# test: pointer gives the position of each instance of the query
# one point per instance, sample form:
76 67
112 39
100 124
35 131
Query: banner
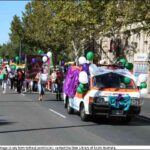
33 65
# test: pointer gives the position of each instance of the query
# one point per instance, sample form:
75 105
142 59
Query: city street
26 121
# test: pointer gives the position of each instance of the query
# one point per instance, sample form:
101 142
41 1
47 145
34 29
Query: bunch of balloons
83 75
46 58
142 79
126 64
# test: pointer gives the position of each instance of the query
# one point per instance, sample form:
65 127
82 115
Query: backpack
43 78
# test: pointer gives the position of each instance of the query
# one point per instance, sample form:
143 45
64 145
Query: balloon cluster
45 58
142 79
126 64
83 75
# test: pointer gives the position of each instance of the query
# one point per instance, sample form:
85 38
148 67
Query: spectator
19 80
53 79
59 83
5 77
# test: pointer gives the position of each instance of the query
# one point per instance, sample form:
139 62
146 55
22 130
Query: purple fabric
71 82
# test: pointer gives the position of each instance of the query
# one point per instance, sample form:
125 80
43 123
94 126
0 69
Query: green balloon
123 61
90 55
81 86
40 52
143 85
13 67
129 66
79 90
126 80
17 58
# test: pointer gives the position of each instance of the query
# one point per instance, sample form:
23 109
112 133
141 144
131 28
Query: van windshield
113 80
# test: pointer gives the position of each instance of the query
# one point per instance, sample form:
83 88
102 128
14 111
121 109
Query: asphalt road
26 121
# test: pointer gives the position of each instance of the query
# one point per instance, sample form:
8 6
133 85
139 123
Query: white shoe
4 92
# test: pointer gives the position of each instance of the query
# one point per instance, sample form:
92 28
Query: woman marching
42 80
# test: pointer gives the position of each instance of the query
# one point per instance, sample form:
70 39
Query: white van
107 95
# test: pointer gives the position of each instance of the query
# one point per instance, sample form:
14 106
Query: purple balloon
33 60
85 67
13 60
62 63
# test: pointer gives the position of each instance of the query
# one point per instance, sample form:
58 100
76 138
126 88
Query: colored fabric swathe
120 101
71 81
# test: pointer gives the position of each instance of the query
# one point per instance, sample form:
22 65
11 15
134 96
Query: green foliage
66 27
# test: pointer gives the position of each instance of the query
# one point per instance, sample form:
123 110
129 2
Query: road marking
57 113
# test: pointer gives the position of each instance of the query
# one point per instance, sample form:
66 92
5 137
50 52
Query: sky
9 8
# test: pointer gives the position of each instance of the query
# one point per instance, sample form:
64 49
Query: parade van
111 92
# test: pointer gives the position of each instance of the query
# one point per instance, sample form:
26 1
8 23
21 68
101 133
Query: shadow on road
5 122
138 121
48 128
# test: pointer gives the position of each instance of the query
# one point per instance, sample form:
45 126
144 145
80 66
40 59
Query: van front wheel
69 109
83 116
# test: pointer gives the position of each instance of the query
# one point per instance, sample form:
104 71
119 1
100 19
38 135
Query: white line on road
57 113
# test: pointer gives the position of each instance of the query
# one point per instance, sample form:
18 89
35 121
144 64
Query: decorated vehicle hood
124 72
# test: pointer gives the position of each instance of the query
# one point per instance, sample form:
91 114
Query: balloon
129 66
17 58
142 78
33 60
90 55
126 80
40 52
79 90
83 77
8 69
13 67
81 86
143 85
85 67
44 58
93 68
82 60
88 62
123 61
102 61
143 91
49 54
62 63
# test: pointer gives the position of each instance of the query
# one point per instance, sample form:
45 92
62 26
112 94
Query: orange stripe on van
115 89
78 95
